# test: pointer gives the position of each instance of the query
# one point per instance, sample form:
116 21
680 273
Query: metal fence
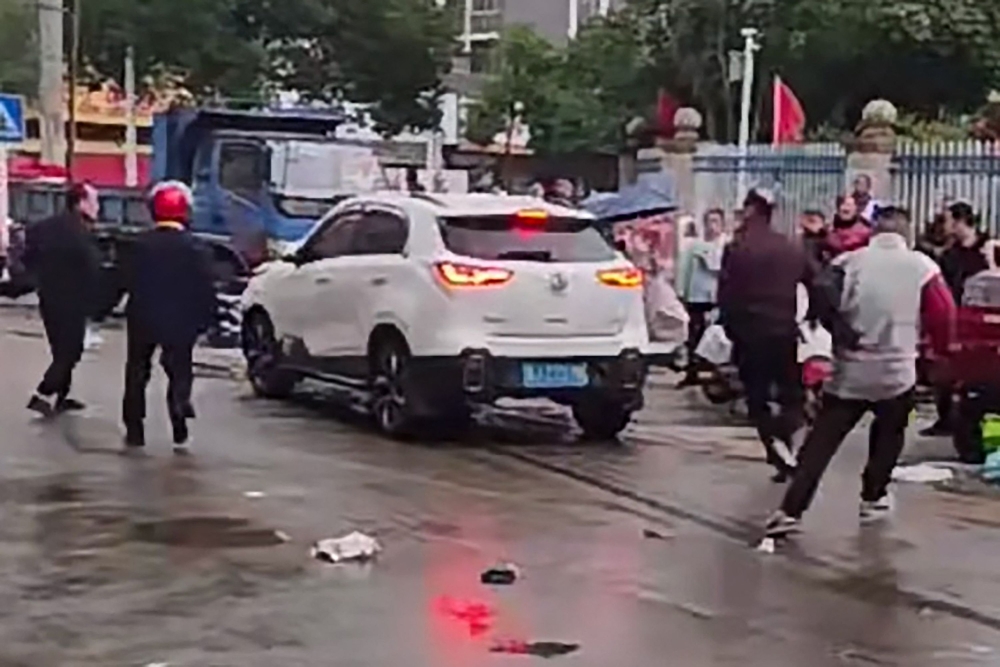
928 176
801 177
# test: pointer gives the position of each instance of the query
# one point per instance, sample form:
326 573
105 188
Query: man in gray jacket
891 295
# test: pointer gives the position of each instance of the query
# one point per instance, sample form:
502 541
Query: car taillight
467 275
620 277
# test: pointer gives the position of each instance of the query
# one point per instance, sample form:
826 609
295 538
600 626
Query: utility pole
74 65
52 128
574 18
750 47
131 159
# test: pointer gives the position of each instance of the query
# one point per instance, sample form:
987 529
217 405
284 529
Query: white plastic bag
715 346
356 547
666 317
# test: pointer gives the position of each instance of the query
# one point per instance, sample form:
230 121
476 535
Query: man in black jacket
171 302
64 264
758 304
962 259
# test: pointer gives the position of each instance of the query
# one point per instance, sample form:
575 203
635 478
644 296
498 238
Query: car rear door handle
378 282
322 281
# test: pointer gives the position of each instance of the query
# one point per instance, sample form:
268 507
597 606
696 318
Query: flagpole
775 110
749 47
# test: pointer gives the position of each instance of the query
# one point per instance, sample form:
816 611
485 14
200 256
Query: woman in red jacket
850 231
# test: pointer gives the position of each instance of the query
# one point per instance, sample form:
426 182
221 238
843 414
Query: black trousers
768 368
836 418
176 361
65 329
698 312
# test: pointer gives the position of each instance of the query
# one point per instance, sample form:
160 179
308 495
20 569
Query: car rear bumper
480 377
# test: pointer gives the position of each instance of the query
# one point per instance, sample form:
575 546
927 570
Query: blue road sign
11 119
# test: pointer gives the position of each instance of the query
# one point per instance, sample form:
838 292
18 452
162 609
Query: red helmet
170 201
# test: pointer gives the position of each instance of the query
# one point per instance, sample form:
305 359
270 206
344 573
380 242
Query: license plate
554 376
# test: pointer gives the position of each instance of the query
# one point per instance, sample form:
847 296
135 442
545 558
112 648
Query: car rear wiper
527 255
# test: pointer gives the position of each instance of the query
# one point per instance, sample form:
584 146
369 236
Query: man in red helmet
171 302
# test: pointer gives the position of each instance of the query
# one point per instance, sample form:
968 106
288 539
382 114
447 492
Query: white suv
422 305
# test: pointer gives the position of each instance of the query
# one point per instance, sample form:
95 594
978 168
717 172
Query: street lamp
750 46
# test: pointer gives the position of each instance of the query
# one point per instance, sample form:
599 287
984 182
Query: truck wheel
390 404
601 419
263 356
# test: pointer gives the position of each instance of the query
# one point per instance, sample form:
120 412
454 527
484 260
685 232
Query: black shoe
181 434
69 405
187 410
41 406
937 430
135 437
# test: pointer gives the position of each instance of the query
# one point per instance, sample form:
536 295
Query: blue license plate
554 376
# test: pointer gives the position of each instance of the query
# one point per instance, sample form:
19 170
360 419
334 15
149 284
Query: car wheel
263 356
391 406
601 419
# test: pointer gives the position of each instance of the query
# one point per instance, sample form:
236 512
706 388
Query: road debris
922 473
539 649
355 547
254 495
651 534
503 574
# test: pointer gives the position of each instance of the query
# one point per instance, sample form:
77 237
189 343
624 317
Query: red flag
666 107
789 117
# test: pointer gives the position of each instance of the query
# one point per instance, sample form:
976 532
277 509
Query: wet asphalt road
110 561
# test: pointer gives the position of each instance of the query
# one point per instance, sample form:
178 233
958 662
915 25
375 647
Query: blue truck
260 179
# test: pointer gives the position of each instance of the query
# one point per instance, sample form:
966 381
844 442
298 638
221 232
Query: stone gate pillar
678 157
870 151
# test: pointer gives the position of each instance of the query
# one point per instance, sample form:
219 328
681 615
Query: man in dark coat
758 289
64 264
171 303
962 259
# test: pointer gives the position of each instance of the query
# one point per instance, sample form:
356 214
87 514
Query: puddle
51 490
206 533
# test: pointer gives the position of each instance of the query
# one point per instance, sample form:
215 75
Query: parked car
421 306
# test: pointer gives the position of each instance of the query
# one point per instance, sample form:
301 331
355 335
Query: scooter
720 381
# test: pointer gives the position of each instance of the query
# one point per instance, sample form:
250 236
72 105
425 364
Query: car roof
476 204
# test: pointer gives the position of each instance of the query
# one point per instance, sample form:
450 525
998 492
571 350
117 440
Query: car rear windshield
505 238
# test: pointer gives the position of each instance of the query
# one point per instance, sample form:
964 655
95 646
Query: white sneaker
877 510
93 340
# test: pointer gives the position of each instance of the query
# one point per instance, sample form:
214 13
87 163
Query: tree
390 54
573 99
18 47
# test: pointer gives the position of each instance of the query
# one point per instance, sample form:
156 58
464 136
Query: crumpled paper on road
355 547
922 473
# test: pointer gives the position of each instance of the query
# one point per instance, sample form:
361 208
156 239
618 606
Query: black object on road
501 575
539 649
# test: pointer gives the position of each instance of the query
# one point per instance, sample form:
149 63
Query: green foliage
932 58
389 53
18 47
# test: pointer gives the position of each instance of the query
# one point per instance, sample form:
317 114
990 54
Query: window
335 239
112 209
240 169
137 212
500 237
379 233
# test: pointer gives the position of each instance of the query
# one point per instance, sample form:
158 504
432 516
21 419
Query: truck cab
260 179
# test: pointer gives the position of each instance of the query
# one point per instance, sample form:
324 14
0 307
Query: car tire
391 406
601 419
264 358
